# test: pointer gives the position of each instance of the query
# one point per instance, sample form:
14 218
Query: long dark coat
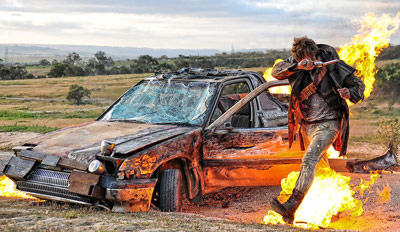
341 75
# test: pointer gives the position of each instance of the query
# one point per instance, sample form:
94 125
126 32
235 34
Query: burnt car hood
82 142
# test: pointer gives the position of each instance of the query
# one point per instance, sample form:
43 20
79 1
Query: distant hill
26 53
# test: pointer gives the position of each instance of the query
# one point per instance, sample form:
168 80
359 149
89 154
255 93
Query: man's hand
305 64
344 93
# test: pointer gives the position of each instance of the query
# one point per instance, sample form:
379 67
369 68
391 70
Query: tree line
101 64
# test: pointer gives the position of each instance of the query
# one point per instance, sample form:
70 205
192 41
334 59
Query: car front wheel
171 191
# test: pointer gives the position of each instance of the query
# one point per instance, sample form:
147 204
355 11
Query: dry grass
362 127
20 215
382 63
108 87
48 122
48 96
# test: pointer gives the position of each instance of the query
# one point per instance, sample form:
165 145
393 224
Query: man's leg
320 136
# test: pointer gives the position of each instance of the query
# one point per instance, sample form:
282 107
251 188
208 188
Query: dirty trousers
317 137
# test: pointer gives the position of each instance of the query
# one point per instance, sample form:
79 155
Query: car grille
53 185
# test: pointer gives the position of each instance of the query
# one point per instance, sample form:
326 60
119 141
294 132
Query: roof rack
194 73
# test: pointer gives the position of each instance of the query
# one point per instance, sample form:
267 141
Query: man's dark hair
302 46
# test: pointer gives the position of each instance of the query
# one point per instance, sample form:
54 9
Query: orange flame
329 195
268 77
372 37
367 184
7 189
333 154
384 194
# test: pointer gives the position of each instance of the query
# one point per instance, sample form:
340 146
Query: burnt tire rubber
171 191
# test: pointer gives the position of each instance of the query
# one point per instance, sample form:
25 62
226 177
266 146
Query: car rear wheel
171 191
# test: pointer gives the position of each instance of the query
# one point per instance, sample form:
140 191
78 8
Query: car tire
171 191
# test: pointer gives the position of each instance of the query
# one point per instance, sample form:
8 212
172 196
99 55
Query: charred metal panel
18 168
51 160
248 157
72 164
31 155
85 155
150 139
248 144
82 182
62 142
222 177
131 195
340 165
129 143
250 162
142 165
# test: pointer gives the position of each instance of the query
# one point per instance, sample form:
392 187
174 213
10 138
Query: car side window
231 94
272 114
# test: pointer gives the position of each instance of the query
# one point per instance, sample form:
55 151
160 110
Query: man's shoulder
328 52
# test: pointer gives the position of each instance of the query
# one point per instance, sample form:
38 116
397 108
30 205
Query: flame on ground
384 194
329 195
367 184
7 189
333 154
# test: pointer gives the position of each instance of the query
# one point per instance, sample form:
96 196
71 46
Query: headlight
96 167
106 147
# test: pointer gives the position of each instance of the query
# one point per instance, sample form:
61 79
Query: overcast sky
196 24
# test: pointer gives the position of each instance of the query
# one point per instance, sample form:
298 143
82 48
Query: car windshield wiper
125 120
176 123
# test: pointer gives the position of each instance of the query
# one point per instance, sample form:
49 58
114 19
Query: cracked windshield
164 102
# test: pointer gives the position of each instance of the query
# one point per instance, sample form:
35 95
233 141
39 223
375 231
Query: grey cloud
236 22
48 27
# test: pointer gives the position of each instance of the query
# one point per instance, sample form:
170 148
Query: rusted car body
172 135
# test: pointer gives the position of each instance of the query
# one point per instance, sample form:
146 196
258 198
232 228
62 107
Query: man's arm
353 89
284 69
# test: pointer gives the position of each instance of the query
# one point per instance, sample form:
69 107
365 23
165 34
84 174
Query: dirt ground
231 209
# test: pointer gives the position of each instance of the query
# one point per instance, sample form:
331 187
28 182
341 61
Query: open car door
254 153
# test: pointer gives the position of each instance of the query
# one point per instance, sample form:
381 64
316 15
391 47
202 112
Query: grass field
42 102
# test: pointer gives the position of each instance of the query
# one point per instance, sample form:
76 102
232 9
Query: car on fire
172 135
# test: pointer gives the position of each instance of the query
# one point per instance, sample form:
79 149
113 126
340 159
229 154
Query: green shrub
77 93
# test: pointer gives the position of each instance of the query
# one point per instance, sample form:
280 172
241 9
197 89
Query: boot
288 208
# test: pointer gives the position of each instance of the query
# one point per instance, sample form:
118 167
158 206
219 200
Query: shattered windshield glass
157 101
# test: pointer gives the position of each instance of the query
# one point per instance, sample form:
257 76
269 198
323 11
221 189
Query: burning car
173 135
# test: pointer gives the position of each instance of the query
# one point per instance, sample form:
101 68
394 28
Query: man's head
303 47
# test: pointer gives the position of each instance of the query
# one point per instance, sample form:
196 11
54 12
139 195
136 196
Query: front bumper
49 178
131 195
